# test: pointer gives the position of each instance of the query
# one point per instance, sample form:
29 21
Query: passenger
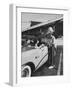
36 44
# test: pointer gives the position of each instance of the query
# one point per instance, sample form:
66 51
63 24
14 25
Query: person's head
50 30
28 41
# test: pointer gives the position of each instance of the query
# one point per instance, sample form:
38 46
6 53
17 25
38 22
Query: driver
49 42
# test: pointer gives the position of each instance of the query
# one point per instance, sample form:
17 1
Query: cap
50 29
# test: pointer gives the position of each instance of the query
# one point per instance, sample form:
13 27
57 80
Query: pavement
44 69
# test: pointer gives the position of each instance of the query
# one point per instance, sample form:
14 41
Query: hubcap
25 73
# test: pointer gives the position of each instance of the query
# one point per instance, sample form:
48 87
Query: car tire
26 71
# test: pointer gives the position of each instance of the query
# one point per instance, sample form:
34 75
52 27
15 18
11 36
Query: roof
44 23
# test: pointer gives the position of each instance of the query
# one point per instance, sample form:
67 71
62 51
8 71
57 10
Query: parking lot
58 62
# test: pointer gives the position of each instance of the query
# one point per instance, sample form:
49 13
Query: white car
32 58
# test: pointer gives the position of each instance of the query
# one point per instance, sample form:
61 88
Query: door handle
36 57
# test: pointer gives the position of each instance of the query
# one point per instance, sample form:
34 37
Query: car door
43 56
37 57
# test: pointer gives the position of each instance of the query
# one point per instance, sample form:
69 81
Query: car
32 58
34 51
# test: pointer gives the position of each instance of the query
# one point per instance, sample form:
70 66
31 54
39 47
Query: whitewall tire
26 71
